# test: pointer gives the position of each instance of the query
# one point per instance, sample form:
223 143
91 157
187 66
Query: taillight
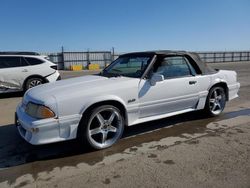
54 67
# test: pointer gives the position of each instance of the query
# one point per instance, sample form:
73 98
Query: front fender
98 99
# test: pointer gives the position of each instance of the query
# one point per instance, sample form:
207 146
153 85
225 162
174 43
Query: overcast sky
126 25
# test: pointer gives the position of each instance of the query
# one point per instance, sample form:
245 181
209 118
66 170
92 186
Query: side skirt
151 118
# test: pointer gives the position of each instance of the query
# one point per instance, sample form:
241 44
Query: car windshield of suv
129 66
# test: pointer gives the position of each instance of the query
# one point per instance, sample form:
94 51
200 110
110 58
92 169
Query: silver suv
20 71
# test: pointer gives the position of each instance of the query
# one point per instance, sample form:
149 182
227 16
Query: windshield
129 66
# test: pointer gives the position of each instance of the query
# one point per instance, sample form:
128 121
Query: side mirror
156 78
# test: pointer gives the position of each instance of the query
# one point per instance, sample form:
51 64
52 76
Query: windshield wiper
116 70
109 74
115 74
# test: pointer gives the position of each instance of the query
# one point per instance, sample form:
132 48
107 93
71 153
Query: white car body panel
13 78
165 97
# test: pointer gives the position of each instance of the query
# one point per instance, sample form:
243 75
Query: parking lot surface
188 150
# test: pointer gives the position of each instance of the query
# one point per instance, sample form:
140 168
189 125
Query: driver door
178 91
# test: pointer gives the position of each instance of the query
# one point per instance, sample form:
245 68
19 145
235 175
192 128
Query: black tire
99 135
216 101
32 82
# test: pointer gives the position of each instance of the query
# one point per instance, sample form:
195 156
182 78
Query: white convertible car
135 88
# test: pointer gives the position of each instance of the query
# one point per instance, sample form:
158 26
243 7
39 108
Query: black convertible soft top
191 56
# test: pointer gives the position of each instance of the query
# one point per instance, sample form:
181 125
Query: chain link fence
66 59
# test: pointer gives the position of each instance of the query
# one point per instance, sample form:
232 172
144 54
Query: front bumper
38 131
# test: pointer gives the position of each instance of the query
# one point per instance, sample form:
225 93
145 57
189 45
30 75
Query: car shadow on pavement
11 95
15 151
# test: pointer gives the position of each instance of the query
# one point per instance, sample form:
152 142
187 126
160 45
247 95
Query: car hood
85 85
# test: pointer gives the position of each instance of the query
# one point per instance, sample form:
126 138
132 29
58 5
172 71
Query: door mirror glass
156 78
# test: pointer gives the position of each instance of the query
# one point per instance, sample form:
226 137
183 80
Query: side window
33 61
2 63
192 69
8 62
177 66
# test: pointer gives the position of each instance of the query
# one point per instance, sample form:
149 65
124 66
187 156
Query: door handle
192 82
24 70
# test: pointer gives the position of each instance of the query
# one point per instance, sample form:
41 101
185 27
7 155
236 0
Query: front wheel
216 101
103 128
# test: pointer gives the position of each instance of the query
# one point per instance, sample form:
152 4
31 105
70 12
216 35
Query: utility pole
63 57
88 61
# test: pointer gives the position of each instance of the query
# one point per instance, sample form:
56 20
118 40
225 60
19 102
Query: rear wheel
216 101
32 82
103 128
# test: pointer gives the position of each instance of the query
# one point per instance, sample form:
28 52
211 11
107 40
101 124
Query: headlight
39 111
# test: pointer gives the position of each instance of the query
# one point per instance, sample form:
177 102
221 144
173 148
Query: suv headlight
39 111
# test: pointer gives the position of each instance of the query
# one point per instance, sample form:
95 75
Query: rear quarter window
33 61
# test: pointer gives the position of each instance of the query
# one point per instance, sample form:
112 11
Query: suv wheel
103 127
32 82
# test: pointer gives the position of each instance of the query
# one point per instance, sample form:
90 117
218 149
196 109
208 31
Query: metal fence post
88 61
62 54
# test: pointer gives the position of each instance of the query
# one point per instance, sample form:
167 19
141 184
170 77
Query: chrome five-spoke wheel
105 127
216 101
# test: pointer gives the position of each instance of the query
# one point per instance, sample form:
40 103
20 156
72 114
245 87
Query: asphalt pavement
188 150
